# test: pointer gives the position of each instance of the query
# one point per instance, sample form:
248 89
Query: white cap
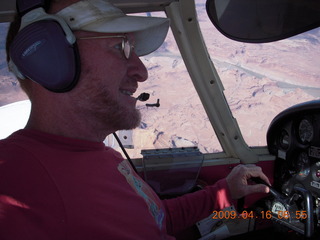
101 16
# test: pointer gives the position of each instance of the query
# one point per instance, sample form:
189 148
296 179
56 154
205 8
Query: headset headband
24 6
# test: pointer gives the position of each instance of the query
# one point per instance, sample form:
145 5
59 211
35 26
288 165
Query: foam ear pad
42 53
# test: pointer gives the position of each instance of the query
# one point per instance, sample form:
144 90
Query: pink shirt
52 187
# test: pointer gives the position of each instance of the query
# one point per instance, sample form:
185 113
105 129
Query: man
57 179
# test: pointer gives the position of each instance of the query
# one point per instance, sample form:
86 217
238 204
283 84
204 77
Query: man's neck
66 123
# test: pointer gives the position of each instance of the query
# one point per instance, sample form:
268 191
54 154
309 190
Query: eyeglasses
126 46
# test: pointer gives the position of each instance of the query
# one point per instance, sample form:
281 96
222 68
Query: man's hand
238 181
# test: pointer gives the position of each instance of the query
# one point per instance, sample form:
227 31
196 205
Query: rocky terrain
260 81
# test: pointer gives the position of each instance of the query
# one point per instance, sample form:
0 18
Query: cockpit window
261 80
9 87
180 121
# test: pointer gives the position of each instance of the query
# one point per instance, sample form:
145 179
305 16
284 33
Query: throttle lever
308 225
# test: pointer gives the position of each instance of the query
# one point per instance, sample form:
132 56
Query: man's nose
137 69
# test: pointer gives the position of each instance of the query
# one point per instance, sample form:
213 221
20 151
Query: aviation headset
44 49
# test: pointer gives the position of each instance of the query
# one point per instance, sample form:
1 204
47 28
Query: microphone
143 97
154 104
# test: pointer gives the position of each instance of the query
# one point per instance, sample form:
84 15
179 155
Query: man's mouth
127 92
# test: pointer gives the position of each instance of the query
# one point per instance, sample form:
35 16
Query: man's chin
130 121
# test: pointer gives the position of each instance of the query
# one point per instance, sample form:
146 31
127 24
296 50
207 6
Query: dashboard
294 138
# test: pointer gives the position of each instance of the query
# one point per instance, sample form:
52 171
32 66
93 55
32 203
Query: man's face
107 81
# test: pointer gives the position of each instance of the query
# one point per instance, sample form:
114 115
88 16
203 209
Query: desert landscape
260 81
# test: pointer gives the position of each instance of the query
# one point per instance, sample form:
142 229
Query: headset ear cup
42 53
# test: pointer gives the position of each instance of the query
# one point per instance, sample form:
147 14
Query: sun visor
260 21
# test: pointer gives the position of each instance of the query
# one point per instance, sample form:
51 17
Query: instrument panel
294 138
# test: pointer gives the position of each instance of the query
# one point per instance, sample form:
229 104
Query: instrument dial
306 131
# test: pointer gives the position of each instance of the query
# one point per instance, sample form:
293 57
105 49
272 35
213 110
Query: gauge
305 131
303 164
284 140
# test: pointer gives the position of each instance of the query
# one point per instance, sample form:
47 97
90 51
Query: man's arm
185 211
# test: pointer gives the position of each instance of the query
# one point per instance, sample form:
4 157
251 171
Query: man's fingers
255 171
261 188
238 180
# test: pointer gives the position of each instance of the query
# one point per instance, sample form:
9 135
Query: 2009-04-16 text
262 215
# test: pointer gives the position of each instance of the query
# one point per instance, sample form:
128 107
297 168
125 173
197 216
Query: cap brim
149 32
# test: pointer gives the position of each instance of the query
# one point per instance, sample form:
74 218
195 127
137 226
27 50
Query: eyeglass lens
126 48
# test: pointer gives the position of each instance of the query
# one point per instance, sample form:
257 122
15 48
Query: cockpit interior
174 162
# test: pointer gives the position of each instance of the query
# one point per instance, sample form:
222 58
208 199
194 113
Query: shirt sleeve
185 211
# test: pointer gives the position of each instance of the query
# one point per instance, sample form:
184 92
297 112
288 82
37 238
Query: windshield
261 80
